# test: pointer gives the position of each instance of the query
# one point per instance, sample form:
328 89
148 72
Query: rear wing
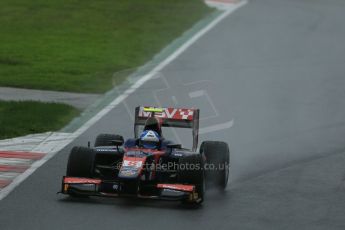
169 117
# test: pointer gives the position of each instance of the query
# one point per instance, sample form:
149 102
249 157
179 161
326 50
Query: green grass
22 118
77 45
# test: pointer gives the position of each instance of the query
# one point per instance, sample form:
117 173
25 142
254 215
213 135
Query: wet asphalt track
276 68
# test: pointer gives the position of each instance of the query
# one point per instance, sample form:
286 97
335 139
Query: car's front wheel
191 172
80 164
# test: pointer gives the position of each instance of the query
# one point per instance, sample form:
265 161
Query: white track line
4 192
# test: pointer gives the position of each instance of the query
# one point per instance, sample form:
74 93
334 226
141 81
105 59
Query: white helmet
149 139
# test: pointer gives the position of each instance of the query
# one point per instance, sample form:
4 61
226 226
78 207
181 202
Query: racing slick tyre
106 139
80 164
191 172
217 156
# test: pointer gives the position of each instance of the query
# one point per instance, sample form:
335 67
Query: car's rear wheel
107 139
217 156
191 172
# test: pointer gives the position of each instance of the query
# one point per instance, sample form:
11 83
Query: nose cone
131 167
129 173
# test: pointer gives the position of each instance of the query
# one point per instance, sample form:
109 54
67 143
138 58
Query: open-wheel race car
148 165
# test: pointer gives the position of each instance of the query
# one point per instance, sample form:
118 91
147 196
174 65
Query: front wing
98 187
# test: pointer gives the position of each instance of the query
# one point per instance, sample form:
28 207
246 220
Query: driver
150 139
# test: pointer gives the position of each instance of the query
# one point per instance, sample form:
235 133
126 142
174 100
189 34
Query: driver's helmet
149 139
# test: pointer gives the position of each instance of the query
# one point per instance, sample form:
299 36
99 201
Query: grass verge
22 118
77 45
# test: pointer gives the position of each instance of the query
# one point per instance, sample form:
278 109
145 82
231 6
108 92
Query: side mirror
116 142
174 146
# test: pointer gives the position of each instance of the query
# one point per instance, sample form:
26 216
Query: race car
148 165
